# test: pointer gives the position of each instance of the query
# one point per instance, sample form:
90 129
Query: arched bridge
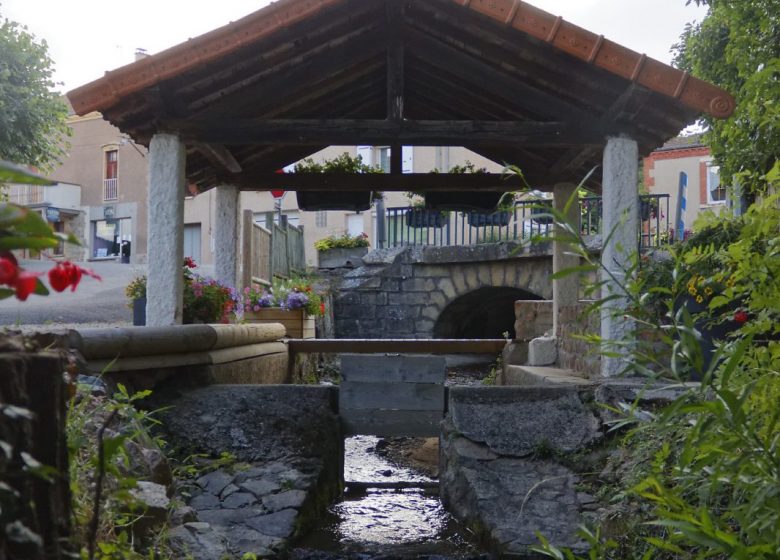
441 292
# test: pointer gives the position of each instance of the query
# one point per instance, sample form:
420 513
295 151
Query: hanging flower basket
425 218
353 201
481 219
297 323
463 201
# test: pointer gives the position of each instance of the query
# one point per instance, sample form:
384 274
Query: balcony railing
110 189
26 195
527 219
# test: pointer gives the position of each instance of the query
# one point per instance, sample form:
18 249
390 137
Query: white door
192 241
355 224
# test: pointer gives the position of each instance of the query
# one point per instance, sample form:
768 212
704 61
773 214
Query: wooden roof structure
500 77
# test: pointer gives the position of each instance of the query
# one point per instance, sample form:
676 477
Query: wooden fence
271 253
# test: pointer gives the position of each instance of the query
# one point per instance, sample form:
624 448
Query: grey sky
88 37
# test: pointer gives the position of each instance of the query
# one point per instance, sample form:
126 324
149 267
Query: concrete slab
537 375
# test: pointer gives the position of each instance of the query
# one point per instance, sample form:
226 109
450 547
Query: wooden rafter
372 131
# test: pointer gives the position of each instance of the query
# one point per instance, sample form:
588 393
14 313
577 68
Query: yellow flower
699 299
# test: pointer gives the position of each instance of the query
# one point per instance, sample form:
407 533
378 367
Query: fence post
247 239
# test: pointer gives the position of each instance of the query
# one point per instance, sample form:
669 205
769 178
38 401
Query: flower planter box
422 218
297 323
139 312
354 201
341 257
480 219
463 201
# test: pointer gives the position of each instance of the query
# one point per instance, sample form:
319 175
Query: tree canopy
32 114
737 47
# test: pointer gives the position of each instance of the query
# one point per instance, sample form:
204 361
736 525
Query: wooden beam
219 156
405 345
375 182
376 132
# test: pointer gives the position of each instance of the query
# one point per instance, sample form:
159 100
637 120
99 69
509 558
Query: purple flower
296 300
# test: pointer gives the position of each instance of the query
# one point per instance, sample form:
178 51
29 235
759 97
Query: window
716 192
321 219
110 180
383 159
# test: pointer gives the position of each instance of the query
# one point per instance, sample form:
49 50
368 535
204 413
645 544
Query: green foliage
737 47
340 164
118 421
32 116
345 241
204 301
706 469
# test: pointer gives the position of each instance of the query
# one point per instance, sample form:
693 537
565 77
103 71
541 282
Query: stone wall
36 512
574 353
401 292
533 318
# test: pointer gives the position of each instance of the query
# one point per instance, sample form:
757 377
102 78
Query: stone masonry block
431 271
497 274
447 288
459 281
484 276
418 285
533 318
542 351
472 280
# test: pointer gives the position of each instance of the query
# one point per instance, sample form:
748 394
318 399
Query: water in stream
409 523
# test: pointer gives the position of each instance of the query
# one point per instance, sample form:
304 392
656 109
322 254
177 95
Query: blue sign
52 214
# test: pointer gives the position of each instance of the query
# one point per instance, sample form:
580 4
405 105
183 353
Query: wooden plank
386 423
390 396
263 181
402 345
401 369
375 131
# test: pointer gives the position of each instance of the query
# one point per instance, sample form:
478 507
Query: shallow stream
385 523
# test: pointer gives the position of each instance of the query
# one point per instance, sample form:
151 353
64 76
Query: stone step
537 375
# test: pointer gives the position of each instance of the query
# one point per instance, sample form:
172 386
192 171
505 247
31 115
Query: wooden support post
247 253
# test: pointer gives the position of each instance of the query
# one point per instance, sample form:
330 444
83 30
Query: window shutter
367 153
407 159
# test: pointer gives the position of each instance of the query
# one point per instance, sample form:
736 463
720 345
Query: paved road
93 302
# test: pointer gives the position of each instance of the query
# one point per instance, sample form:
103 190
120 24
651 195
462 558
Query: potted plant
205 299
463 201
294 303
419 216
355 201
136 295
501 216
340 251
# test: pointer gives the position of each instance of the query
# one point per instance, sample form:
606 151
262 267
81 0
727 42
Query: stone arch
486 312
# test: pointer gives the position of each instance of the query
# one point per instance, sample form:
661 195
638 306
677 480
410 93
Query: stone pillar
620 220
226 235
566 289
164 287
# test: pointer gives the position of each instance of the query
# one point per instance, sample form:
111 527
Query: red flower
741 317
189 263
8 271
322 308
59 278
66 274
25 284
